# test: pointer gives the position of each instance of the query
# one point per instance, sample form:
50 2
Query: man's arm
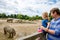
55 32
48 30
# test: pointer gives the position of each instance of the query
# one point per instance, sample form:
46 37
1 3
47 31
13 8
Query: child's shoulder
45 20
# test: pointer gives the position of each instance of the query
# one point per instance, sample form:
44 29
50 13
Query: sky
28 7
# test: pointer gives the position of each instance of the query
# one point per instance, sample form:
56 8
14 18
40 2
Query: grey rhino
10 31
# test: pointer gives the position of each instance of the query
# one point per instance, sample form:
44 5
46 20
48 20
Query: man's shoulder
58 21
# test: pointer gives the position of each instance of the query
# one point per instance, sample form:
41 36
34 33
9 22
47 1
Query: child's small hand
46 29
41 27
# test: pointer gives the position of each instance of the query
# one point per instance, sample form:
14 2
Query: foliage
50 16
3 15
20 16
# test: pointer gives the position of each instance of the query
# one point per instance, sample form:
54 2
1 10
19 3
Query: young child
44 24
45 21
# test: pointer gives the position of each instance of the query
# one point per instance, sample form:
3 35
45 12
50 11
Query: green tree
0 15
11 16
19 16
14 16
26 17
3 15
38 17
50 16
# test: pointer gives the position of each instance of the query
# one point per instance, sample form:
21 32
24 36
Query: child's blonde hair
45 15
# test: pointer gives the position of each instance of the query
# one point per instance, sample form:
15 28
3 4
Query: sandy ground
22 29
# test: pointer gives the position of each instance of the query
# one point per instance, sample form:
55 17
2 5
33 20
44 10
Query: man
54 27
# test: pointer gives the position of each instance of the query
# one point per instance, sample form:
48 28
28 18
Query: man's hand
47 30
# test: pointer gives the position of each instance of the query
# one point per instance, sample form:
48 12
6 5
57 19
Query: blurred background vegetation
20 16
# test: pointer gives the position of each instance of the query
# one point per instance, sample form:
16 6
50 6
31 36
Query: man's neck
57 17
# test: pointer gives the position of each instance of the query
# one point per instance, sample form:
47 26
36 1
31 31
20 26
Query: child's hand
41 27
46 29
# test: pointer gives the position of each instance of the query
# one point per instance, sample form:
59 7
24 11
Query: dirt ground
22 29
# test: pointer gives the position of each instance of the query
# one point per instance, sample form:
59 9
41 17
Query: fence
33 36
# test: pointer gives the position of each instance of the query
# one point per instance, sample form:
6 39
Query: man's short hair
55 10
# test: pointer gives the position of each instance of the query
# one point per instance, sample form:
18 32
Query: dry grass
22 29
3 37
